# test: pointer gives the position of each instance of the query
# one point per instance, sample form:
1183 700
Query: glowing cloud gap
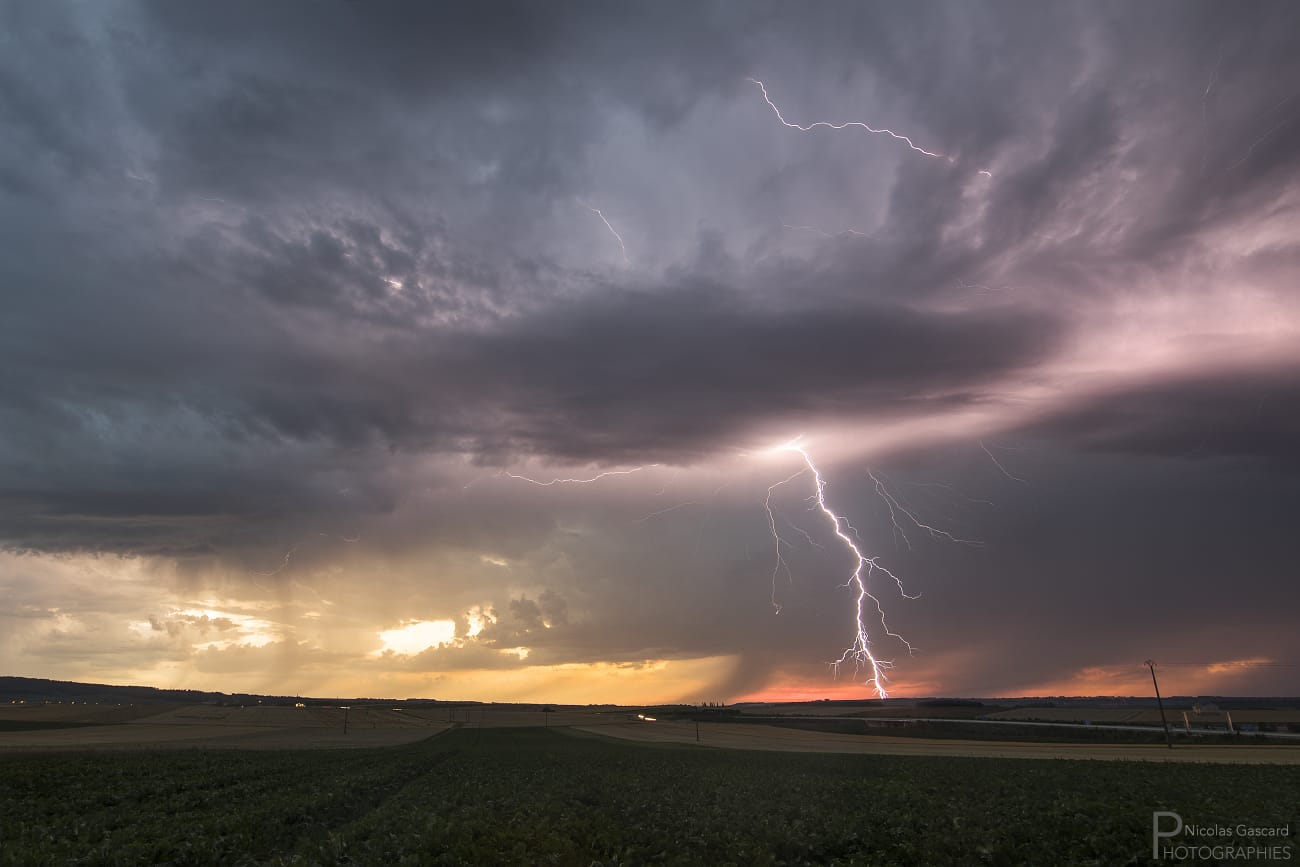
829 125
859 651
613 232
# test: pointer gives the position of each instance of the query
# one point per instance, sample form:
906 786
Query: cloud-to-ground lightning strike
859 651
613 232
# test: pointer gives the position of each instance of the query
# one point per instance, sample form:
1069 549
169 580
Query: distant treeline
32 689
35 690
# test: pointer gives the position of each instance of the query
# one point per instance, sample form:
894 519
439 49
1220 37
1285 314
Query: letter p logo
1156 833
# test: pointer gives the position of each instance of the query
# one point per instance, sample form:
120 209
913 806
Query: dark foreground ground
532 796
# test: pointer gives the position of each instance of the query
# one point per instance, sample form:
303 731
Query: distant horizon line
866 699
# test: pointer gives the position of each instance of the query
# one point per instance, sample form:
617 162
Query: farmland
519 795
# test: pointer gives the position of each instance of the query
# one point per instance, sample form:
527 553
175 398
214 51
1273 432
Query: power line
1237 663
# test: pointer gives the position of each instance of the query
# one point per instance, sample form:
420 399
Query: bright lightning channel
859 652
613 232
829 125
854 123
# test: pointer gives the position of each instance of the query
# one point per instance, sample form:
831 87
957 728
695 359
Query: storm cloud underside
293 290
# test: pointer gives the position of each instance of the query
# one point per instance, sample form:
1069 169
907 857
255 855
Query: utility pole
1160 702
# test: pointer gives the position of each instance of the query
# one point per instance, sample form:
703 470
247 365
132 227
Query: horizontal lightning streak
829 125
823 232
594 478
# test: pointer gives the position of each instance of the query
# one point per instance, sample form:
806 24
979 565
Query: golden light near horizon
417 636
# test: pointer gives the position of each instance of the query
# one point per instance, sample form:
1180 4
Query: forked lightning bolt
859 652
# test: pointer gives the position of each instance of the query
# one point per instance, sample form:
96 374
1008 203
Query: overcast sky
306 305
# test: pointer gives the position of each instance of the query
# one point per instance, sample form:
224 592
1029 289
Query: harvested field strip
750 736
530 796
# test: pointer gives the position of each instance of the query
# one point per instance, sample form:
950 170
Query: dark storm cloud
671 376
1241 413
275 269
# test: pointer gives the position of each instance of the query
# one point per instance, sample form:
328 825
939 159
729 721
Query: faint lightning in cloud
613 232
860 651
823 232
1205 113
983 288
812 543
950 489
665 511
1277 126
780 563
896 507
288 555
284 564
998 464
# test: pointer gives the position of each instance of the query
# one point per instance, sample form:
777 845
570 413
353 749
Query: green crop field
531 796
